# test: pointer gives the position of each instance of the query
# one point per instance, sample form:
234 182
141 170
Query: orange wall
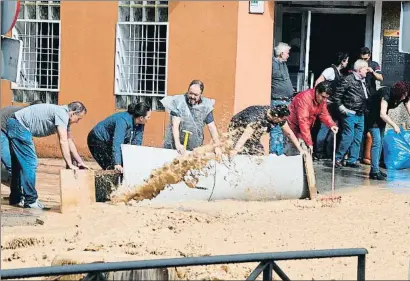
208 40
254 59
202 45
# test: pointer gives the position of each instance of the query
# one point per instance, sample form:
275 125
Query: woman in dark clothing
379 104
248 126
105 139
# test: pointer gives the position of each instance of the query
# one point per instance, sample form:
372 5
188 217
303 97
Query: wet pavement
348 178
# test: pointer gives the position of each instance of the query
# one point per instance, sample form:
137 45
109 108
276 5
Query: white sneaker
36 205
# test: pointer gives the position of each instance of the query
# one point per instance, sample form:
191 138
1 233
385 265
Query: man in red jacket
305 108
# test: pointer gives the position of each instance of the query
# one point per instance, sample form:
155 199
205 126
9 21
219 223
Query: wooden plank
310 176
77 188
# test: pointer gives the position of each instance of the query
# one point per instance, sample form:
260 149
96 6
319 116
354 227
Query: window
38 26
141 53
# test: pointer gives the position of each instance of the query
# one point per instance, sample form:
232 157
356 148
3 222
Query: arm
176 121
65 148
320 79
73 150
376 72
118 139
214 132
325 117
244 137
302 108
139 135
287 131
386 118
341 88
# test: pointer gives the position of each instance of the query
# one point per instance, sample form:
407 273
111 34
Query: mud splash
182 168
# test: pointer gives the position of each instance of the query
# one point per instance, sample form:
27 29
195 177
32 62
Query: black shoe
352 165
383 174
338 164
377 176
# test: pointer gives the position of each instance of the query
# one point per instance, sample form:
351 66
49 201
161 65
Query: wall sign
256 7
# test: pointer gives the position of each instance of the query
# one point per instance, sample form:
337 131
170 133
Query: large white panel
245 178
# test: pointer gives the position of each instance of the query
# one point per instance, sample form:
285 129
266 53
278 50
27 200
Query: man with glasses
304 109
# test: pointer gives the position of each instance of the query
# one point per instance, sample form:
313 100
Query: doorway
317 32
332 33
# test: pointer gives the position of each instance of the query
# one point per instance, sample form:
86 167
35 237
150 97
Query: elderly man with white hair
281 93
351 99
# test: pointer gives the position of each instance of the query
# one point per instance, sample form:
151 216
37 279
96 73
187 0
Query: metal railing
267 264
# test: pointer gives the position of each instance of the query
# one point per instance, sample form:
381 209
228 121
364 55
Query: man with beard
190 112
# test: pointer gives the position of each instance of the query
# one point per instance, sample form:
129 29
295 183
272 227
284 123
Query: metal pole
361 268
280 272
268 272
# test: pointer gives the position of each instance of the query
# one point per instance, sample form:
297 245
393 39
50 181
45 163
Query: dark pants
101 152
376 150
23 163
351 138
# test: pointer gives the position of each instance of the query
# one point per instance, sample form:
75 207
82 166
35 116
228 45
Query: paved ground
48 187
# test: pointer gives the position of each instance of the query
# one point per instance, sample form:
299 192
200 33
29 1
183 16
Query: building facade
108 53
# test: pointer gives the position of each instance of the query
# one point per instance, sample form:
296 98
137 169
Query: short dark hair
139 109
199 83
341 56
280 110
325 87
365 51
400 90
35 102
77 107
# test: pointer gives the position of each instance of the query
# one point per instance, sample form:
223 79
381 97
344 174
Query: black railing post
361 267
280 272
268 272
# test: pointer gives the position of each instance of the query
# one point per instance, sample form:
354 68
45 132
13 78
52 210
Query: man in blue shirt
105 139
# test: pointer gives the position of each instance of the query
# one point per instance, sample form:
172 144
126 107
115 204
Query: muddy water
172 173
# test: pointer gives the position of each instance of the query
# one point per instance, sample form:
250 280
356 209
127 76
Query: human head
76 111
195 90
277 114
342 59
322 91
400 90
360 67
35 102
282 51
365 54
140 111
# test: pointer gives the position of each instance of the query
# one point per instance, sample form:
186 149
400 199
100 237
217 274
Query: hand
370 70
334 129
218 152
83 166
233 153
118 168
72 167
180 148
310 150
396 129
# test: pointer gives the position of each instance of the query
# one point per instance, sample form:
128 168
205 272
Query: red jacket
303 112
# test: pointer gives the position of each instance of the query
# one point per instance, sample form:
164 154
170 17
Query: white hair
359 64
281 47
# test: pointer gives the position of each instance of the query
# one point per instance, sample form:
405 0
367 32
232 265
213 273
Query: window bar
134 59
50 59
145 57
140 59
154 58
129 66
36 79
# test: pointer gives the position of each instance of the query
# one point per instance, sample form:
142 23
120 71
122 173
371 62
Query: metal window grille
38 26
141 53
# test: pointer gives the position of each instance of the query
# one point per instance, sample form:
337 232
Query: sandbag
397 150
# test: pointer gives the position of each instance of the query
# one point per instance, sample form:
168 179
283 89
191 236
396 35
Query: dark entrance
332 33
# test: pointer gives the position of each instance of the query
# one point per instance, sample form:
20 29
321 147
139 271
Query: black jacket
350 93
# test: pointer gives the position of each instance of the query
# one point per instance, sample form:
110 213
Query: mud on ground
369 217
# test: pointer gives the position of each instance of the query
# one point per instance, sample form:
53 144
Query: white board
11 52
245 178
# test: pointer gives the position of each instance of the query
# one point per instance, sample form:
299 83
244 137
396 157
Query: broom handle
334 164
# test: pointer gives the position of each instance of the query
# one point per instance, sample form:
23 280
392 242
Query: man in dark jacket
351 100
